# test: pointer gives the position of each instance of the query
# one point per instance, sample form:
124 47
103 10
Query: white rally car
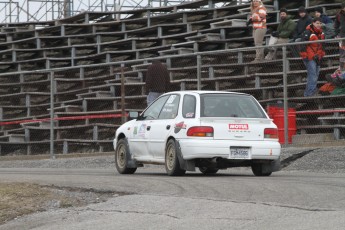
210 130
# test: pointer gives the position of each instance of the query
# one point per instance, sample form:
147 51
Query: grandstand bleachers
87 54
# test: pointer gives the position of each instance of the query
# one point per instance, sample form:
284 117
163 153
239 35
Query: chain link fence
78 109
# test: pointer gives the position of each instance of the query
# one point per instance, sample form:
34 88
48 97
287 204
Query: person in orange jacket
312 55
258 20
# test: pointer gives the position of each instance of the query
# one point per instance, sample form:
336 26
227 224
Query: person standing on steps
312 55
157 81
258 21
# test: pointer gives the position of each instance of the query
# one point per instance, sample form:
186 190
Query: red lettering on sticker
181 125
239 126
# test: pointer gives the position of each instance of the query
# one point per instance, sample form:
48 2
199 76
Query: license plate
239 153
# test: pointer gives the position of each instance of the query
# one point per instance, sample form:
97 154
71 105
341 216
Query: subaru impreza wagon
208 130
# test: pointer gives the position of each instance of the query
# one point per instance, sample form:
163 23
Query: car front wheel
122 156
172 165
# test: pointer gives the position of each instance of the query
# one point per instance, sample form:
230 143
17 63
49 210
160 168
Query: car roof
206 92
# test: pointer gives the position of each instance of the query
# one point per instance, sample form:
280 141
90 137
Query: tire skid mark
286 162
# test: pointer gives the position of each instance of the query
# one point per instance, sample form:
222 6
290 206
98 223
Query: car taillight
271 133
200 131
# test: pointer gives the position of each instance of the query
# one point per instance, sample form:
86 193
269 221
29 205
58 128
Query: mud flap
272 166
131 163
275 165
188 165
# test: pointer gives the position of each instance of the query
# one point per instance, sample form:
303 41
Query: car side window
188 107
170 108
153 111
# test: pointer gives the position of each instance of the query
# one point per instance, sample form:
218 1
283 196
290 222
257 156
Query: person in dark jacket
319 14
313 55
339 26
283 33
302 23
157 81
327 23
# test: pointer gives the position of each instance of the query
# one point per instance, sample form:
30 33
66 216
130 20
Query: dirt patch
18 199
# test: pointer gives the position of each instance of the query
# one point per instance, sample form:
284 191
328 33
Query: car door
139 137
159 129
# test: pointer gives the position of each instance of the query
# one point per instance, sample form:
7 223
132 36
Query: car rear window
230 105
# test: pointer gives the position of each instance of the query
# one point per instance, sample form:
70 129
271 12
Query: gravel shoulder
311 159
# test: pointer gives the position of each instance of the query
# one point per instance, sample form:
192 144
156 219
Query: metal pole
52 155
306 3
10 11
286 108
198 66
123 113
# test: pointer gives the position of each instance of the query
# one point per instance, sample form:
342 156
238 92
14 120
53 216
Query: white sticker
171 99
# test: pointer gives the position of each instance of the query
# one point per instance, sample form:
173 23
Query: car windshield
230 105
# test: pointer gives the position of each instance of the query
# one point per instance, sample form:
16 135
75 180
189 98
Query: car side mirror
133 115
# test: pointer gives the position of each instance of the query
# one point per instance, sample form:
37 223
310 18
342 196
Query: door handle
148 128
168 127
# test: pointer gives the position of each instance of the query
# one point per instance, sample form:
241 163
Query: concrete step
305 139
232 22
204 37
13 138
181 50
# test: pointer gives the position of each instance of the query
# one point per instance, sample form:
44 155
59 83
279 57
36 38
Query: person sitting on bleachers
319 14
258 20
283 33
302 23
327 23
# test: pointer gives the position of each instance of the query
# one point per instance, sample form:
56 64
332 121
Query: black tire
172 164
206 170
122 156
261 169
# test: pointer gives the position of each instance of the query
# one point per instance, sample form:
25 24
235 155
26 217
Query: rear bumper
259 150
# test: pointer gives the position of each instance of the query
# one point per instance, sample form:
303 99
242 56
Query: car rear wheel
261 169
172 165
206 170
122 156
